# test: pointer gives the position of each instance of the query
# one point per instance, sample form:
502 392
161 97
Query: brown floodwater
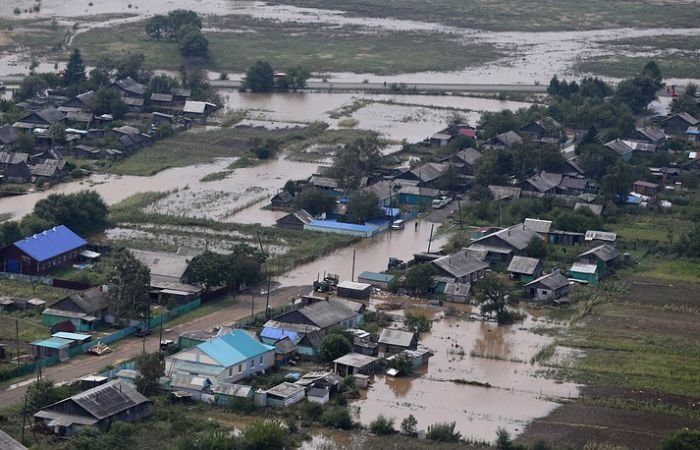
473 351
370 254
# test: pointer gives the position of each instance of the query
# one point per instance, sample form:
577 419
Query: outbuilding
525 269
355 363
548 288
376 279
351 289
392 341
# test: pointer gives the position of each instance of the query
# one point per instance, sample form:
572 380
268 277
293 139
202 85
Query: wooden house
525 269
295 221
679 123
548 288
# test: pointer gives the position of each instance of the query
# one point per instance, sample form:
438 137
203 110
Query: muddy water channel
472 351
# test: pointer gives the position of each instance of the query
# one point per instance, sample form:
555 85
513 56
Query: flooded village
229 224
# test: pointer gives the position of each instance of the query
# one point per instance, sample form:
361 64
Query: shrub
409 425
503 440
443 432
265 434
382 426
336 417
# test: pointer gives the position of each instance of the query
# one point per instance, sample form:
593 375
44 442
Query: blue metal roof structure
72 336
50 243
53 342
234 348
278 333
342 226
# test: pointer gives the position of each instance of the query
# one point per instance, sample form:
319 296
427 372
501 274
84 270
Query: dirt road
131 347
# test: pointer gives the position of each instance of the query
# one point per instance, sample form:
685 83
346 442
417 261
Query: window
261 359
240 368
252 363
230 371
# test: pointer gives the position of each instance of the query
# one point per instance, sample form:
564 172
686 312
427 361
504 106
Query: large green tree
194 45
334 346
128 286
491 294
363 206
83 212
75 70
151 367
419 278
356 161
314 201
260 77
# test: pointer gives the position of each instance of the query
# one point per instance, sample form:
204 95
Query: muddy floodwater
370 254
472 351
216 199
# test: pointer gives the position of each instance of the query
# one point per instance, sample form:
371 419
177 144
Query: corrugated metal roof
8 443
460 264
109 399
603 252
355 360
341 226
72 336
233 348
278 334
375 276
583 268
524 265
391 336
538 225
53 342
554 281
50 243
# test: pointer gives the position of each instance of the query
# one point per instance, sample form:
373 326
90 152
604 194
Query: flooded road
370 254
472 351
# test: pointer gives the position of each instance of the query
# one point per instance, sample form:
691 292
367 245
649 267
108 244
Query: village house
392 341
585 273
597 210
547 131
9 138
43 252
180 95
86 310
41 119
295 221
426 175
168 274
548 288
595 238
354 364
285 351
541 184
281 200
506 140
650 135
572 186
283 395
440 139
306 326
161 100
386 192
198 110
524 269
376 279
679 123
192 386
226 393
230 358
561 237
461 266
97 407
541 227
129 88
318 395
324 183
48 171
354 290
604 256
693 134
647 189
8 159
505 192
86 102
621 148
464 160
501 246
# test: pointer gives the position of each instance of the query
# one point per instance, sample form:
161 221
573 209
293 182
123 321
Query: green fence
175 312
26 369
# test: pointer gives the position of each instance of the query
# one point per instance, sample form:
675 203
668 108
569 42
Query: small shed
52 346
285 394
646 188
355 363
351 289
282 200
296 220
525 269
193 385
285 350
587 273
376 279
392 341
320 395
225 393
548 287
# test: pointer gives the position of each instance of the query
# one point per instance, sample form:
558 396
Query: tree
101 74
553 88
30 86
314 201
151 367
491 296
132 65
264 434
409 425
336 417
402 364
75 69
443 432
10 232
419 278
296 78
260 77
128 286
418 323
652 71
503 440
83 212
181 18
357 160
616 183
108 101
209 440
157 27
596 160
536 248
42 393
207 270
684 439
382 426
194 45
57 134
363 206
162 83
334 346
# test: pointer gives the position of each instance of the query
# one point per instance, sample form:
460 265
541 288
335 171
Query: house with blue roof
43 252
228 358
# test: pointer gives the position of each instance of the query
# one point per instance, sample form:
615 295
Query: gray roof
469 155
593 235
133 101
537 225
285 389
11 158
553 281
523 264
126 129
517 236
430 171
317 392
106 400
90 300
652 134
619 147
355 360
324 182
161 97
181 92
195 107
8 134
544 182
400 338
186 381
284 196
383 189
88 99
233 390
685 117
578 184
327 313
603 252
8 443
508 138
505 192
164 264
460 264
285 345
130 85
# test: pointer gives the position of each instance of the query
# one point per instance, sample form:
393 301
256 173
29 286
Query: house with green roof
228 358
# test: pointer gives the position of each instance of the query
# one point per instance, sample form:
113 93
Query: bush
443 432
382 426
409 425
265 434
503 440
310 411
336 417
682 440
334 346
418 322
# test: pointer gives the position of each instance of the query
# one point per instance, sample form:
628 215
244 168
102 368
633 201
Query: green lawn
202 311
21 289
320 47
672 64
673 270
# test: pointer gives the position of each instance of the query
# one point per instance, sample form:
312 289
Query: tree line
183 27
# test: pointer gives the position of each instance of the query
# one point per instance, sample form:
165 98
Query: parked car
398 224
441 202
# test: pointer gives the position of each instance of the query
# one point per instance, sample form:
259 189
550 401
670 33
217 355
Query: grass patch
662 42
674 270
527 15
30 328
320 47
216 176
678 64
22 289
207 308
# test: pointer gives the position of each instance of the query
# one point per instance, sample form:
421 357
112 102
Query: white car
441 202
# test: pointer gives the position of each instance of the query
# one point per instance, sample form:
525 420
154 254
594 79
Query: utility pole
352 275
459 208
267 274
430 241
17 341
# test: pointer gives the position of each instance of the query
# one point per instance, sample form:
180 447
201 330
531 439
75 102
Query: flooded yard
471 351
